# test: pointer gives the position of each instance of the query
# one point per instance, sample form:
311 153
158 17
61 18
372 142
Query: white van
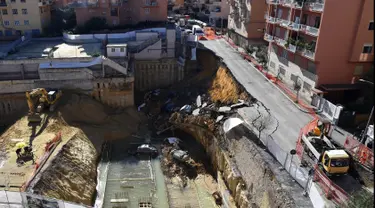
197 30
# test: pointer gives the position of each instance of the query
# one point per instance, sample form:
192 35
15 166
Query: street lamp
372 111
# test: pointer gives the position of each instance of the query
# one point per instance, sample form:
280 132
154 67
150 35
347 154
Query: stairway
114 65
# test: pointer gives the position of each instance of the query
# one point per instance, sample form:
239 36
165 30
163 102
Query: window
367 48
114 12
5 12
6 23
14 11
26 22
358 70
282 70
113 50
17 22
371 25
122 49
13 1
285 54
24 11
23 1
147 10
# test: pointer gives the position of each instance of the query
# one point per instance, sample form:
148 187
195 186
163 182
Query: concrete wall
66 74
153 74
115 92
151 52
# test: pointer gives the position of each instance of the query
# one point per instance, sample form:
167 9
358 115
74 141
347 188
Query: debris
186 108
217 197
173 140
224 109
219 118
141 106
239 104
199 101
180 155
204 105
196 112
230 123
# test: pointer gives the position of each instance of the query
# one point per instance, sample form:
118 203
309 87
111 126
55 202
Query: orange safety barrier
359 151
331 190
306 129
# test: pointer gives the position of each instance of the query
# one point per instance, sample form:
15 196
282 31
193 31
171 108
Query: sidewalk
301 104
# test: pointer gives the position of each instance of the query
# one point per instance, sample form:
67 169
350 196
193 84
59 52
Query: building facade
20 17
246 21
314 44
122 12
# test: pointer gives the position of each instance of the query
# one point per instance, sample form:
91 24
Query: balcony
151 3
268 37
279 41
271 20
307 53
284 23
316 6
313 31
273 2
292 48
114 3
294 26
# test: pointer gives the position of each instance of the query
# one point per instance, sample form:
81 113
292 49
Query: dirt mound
71 174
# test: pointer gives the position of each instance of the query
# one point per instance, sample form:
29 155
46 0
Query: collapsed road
289 118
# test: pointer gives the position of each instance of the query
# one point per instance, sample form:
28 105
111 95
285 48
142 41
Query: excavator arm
30 103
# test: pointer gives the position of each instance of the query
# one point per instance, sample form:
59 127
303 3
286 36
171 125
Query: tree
61 19
96 23
263 123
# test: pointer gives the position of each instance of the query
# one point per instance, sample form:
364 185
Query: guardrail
360 152
310 30
331 190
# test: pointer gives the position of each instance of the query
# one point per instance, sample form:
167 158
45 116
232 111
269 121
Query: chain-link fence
23 199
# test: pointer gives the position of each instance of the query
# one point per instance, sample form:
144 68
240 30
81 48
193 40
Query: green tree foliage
61 20
96 24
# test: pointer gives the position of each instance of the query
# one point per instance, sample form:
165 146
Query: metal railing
310 30
292 48
308 53
317 7
268 37
284 23
280 42
269 19
273 2
295 26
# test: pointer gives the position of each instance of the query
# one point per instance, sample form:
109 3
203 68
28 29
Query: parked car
145 149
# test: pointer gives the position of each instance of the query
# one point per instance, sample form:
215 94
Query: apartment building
325 44
121 12
246 21
218 10
20 17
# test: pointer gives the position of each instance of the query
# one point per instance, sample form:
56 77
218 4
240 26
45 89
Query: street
288 118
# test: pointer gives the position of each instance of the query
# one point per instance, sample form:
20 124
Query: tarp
230 123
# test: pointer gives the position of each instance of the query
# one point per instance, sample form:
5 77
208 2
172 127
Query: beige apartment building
23 17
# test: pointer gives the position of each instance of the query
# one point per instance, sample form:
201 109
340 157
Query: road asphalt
287 118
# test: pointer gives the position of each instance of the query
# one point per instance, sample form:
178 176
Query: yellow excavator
39 99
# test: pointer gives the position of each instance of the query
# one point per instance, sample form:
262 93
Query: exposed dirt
224 89
70 172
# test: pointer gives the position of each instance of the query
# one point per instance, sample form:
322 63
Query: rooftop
57 47
337 154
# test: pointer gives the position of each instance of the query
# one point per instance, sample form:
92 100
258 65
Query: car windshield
339 162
